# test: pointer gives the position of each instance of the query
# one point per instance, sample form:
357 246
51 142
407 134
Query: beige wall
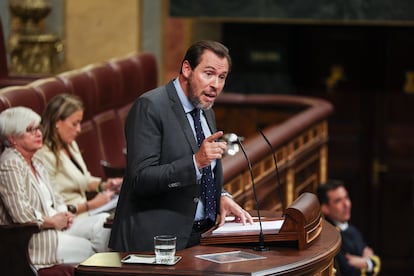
98 30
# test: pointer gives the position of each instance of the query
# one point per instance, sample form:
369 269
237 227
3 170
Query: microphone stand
279 187
261 246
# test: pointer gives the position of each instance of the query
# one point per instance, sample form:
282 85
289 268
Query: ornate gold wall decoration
409 82
337 74
32 50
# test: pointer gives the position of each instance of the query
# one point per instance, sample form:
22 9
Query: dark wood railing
297 129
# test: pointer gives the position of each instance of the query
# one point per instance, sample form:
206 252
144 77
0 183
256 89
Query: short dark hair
196 50
324 188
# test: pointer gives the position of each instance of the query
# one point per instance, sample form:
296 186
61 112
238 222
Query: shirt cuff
198 172
39 217
224 193
370 265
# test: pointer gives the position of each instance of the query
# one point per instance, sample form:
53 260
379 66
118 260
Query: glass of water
164 247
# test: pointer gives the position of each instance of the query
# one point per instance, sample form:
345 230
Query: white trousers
85 237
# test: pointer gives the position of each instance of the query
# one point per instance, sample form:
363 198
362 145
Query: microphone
279 187
261 246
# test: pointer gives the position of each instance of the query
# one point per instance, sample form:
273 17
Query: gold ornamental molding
32 50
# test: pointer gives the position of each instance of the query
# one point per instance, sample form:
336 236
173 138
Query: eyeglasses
33 129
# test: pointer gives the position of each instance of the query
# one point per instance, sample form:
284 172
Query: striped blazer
21 201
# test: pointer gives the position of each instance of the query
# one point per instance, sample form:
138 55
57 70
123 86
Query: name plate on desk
302 224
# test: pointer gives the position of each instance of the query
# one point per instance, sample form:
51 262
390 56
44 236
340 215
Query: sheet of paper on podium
235 227
300 225
233 232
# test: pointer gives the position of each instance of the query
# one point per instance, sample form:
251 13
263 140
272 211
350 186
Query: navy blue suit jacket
160 192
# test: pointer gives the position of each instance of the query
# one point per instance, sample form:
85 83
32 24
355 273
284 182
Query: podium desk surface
279 260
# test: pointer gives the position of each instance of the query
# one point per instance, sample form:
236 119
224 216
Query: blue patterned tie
207 182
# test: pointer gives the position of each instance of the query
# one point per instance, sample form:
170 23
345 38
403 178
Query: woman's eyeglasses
33 129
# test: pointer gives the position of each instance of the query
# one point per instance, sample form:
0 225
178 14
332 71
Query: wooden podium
317 259
302 225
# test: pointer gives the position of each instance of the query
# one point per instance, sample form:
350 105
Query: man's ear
325 209
186 69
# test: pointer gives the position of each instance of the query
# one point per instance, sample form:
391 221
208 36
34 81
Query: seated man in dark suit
355 257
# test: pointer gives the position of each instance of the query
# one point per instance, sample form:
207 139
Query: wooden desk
280 260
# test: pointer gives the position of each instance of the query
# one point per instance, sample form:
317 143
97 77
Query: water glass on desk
164 247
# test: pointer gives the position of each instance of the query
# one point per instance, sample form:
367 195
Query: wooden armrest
24 227
14 255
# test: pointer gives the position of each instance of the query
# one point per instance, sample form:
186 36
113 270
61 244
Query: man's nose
215 82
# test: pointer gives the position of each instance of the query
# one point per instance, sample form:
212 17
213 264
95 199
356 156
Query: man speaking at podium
174 180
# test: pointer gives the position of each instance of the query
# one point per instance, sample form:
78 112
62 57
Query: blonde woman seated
26 195
69 176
